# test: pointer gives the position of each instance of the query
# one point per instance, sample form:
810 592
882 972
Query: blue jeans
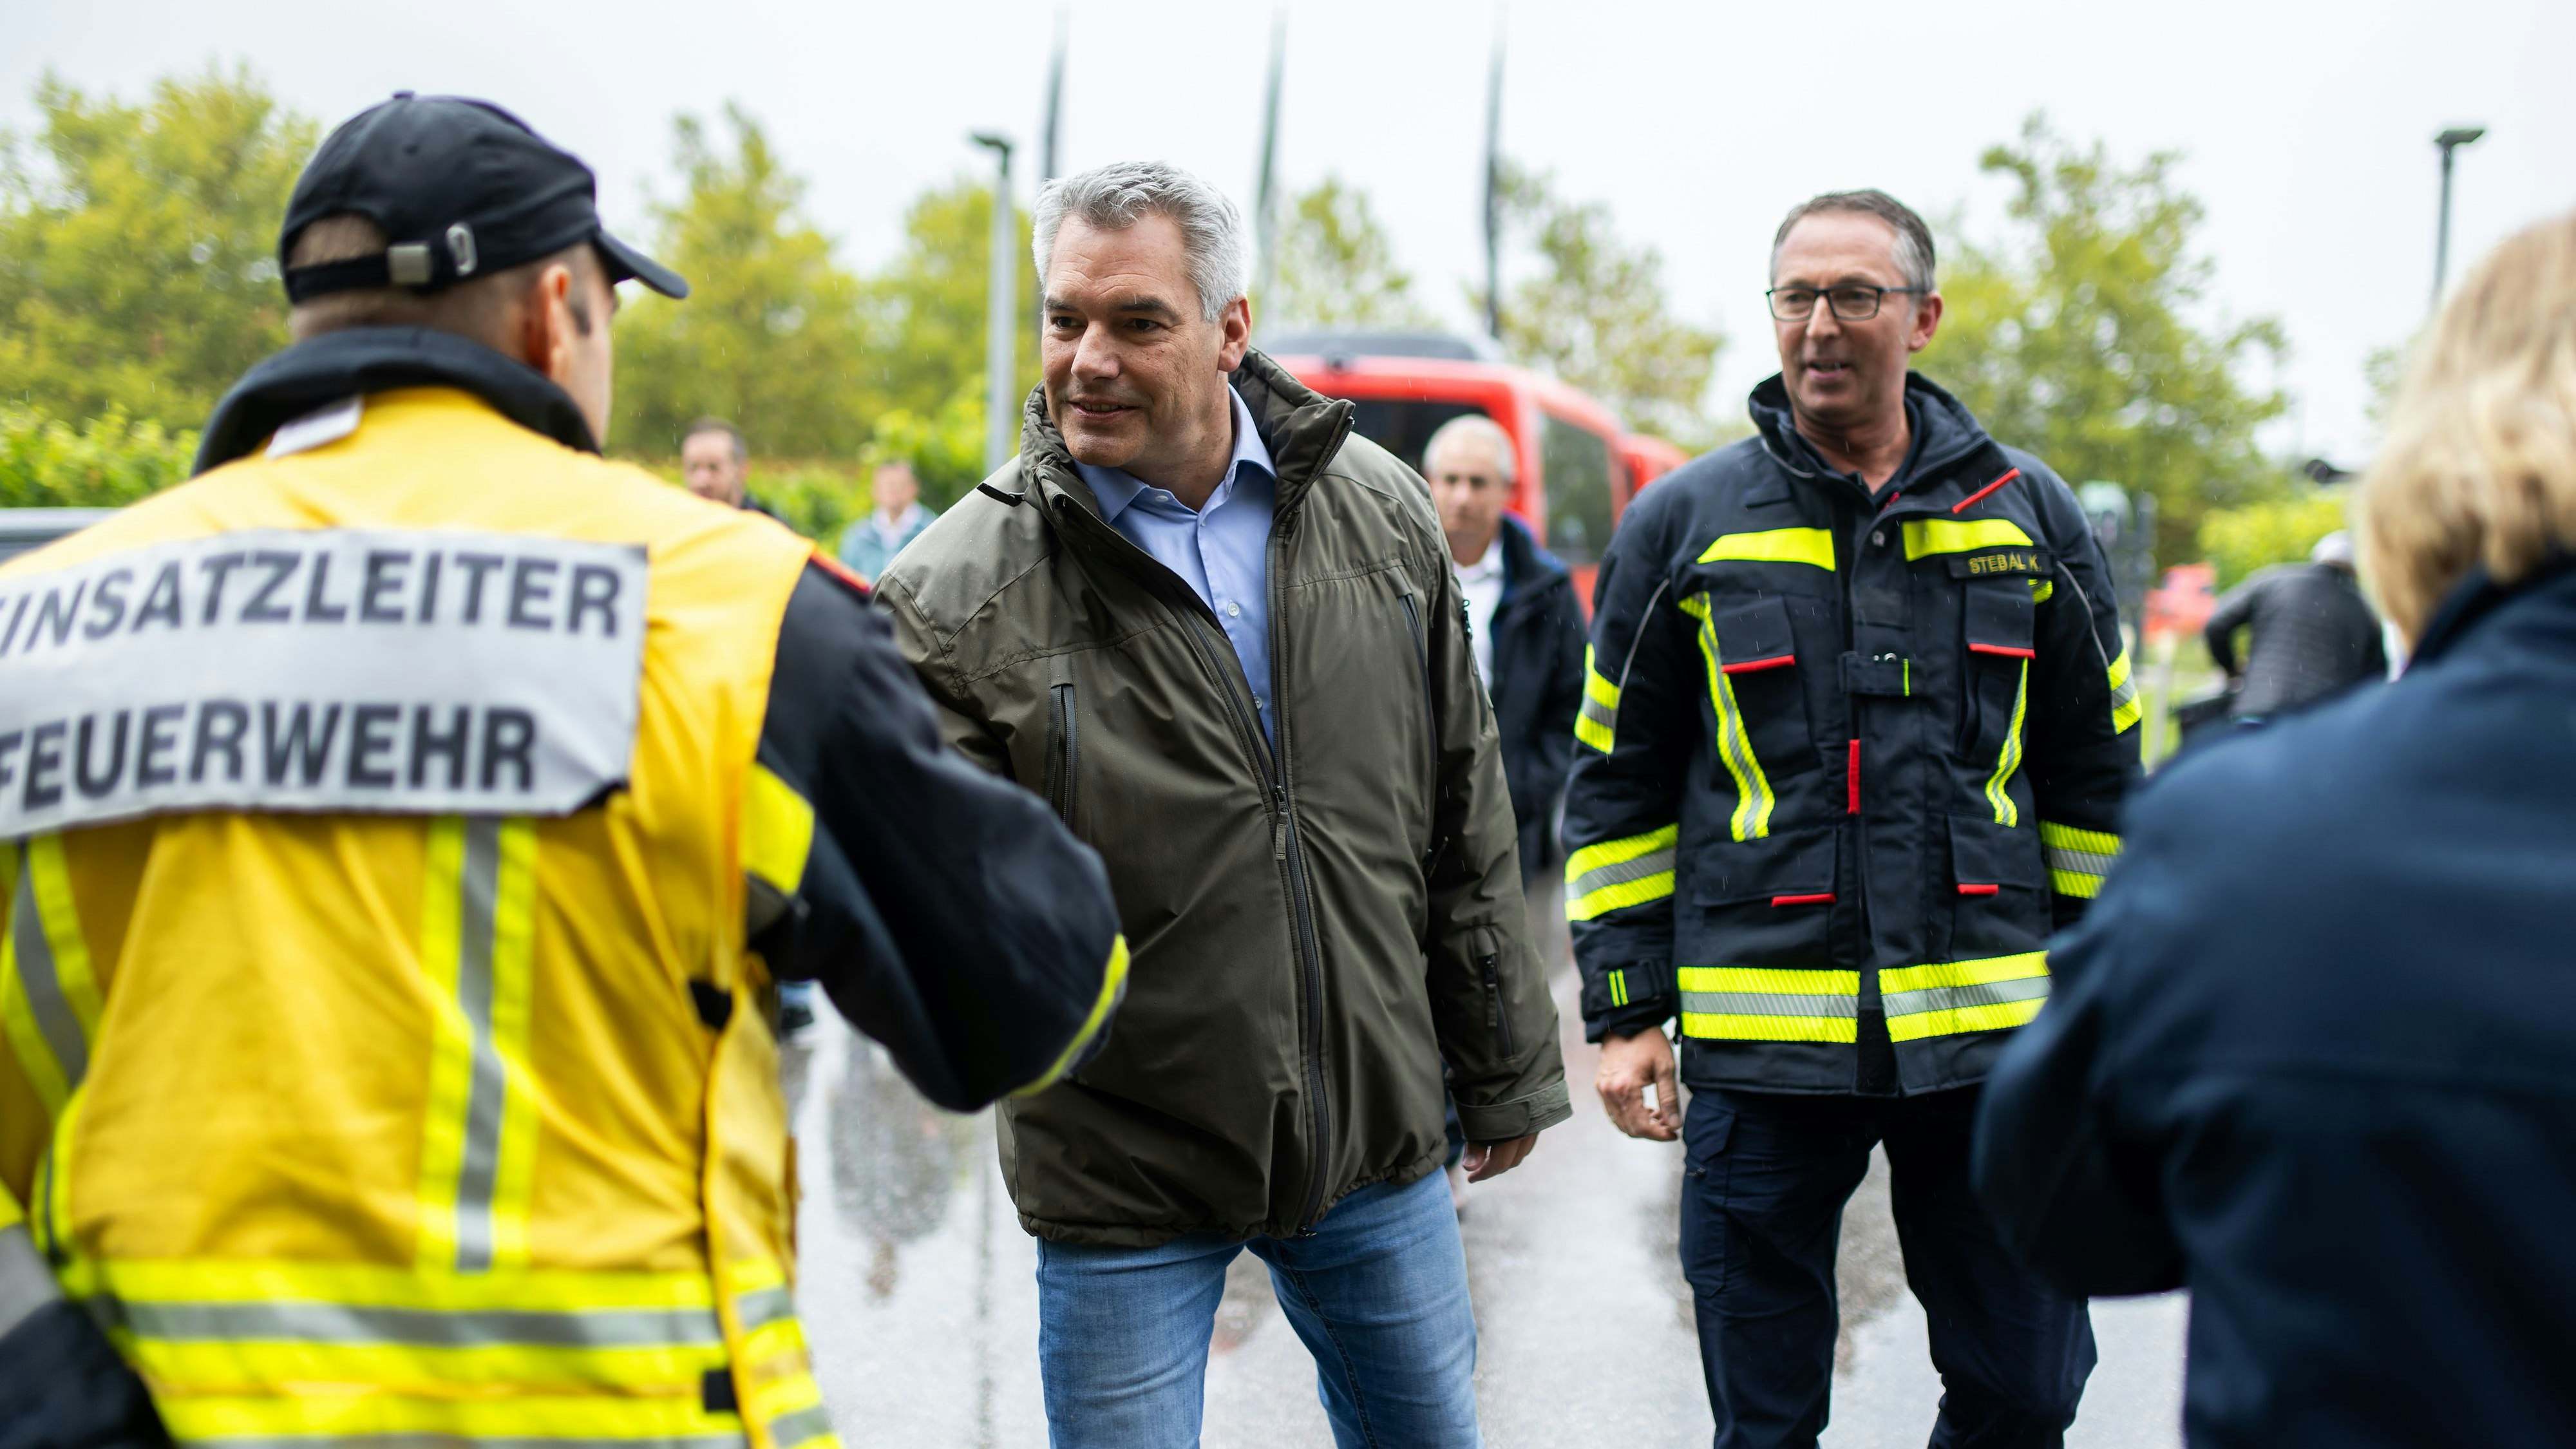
1378 1292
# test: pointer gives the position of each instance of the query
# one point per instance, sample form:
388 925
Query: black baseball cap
462 189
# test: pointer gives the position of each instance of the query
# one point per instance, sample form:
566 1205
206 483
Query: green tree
2076 338
138 246
106 462
2277 530
771 335
1595 313
1337 266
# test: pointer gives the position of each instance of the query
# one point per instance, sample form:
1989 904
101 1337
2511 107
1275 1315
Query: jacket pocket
2000 906
1767 902
1997 631
1064 749
1498 1008
1758 704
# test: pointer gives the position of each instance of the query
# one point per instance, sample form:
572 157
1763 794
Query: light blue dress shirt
1222 550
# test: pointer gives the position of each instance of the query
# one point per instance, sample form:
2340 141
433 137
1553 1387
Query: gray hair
1913 249
1478 428
1115 197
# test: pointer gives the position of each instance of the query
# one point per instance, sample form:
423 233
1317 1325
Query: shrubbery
2281 530
105 462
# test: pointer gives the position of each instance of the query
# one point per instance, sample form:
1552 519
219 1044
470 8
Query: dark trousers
1762 1207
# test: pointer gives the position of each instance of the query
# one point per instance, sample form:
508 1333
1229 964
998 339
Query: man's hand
1628 1065
1493 1159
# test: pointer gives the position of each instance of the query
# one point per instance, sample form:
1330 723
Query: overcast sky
2306 126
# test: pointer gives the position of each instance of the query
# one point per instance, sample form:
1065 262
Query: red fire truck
1577 467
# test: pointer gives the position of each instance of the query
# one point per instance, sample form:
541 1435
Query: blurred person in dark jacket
2312 633
2309 1055
1526 628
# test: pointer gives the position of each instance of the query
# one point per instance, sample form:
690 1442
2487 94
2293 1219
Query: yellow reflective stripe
1728 1027
2077 859
515 1419
1113 986
791 1409
2125 710
1597 723
2008 759
1772 980
1811 546
50 1003
1616 874
2042 590
1963 973
1926 536
1753 799
1618 986
1947 998
478 913
777 830
50 1214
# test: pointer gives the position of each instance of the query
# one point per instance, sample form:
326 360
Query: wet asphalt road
918 1294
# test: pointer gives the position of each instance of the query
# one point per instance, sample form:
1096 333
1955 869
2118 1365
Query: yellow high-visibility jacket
406 1115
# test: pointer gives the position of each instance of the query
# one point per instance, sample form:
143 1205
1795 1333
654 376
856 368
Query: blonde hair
2480 463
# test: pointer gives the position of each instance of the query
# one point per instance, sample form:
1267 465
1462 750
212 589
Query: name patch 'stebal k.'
364 670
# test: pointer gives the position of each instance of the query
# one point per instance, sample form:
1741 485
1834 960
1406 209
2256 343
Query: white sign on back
365 670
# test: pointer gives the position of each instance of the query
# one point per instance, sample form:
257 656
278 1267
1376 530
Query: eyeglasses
1850 304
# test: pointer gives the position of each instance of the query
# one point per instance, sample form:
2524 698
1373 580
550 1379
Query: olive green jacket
1316 928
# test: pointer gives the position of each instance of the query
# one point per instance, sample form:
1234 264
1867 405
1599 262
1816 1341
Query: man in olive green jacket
1221 635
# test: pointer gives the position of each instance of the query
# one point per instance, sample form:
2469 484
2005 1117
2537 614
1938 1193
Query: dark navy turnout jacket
1844 760
2313 1054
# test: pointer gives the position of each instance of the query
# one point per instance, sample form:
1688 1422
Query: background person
395 1068
1863 750
1522 616
2311 1060
1221 634
2312 633
897 518
715 460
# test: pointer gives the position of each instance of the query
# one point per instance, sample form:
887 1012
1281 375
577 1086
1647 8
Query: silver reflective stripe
1620 872
1604 715
2080 862
1955 998
480 1169
762 1307
2126 691
1765 1003
429 1440
25 1283
352 1324
790 1430
54 1017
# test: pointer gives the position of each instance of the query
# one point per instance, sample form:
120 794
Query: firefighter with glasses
1856 728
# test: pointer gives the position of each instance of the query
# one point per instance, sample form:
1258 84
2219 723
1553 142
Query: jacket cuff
1503 1121
1628 998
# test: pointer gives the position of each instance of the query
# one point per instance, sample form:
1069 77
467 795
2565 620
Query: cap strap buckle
408 265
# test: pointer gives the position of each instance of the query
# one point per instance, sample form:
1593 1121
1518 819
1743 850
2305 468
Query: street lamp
1001 314
2450 141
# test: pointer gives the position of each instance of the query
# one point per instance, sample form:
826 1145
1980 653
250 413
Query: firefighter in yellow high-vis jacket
403 826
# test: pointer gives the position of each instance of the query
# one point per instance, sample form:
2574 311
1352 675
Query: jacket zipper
1500 1015
1064 757
1274 776
1430 724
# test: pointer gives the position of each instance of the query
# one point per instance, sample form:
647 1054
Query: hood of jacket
325 369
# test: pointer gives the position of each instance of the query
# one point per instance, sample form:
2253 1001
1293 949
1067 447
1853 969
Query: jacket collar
1302 428
1525 564
356 360
1946 434
2479 596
